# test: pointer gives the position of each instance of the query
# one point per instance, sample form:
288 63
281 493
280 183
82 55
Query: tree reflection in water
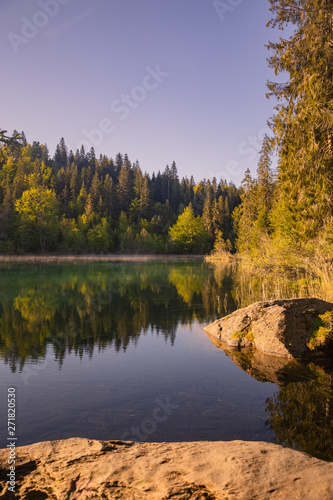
301 413
82 308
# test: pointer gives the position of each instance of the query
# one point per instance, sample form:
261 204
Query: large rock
279 327
86 469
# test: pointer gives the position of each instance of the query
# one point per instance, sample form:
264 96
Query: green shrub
322 332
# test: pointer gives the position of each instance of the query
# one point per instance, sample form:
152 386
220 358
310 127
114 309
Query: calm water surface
117 351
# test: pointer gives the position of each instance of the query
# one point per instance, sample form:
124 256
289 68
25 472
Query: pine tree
110 196
7 215
74 183
145 197
207 216
245 215
23 139
60 156
217 211
142 190
304 119
125 188
100 206
265 183
45 154
118 165
166 181
82 199
227 222
89 208
95 190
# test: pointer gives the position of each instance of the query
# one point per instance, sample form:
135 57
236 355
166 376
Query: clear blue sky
161 80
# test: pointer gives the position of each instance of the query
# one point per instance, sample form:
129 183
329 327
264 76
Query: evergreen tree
145 197
125 188
118 165
24 141
60 156
207 216
304 119
82 198
142 191
265 182
245 215
7 220
74 183
217 214
110 196
166 181
89 208
95 190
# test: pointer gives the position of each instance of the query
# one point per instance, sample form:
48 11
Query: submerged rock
279 327
88 469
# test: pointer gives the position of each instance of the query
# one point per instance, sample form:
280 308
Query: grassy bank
282 275
221 258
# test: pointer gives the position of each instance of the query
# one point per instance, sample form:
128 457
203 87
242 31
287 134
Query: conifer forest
77 203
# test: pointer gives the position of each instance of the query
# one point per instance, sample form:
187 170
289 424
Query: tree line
77 203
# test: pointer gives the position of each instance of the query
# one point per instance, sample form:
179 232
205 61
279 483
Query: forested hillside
77 203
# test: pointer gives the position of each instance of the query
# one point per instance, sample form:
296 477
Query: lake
116 351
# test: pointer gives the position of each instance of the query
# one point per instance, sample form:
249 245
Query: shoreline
100 258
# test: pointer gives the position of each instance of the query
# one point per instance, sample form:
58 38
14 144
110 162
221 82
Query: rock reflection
301 412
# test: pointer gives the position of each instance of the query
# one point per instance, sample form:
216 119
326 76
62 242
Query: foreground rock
279 327
82 468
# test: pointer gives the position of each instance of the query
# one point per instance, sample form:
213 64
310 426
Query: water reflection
79 308
301 412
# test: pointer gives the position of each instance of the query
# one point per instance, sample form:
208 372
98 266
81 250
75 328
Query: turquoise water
117 351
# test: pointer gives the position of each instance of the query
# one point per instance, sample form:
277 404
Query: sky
163 81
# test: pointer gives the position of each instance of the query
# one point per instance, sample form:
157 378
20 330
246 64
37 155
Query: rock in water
279 327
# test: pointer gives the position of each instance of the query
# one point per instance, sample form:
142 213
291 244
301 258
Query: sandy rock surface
83 468
279 327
